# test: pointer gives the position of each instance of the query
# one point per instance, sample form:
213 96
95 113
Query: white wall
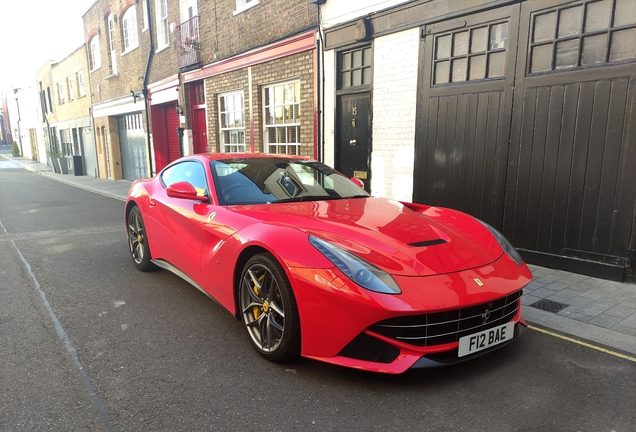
335 12
329 107
395 60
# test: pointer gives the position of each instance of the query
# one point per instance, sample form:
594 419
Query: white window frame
129 29
111 43
96 59
69 87
243 5
163 32
282 131
238 128
81 84
144 6
60 92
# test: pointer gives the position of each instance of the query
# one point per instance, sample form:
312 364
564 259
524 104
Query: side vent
428 243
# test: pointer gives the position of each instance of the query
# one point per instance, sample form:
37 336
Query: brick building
65 105
118 45
252 84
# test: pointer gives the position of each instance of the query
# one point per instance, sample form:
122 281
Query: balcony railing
189 42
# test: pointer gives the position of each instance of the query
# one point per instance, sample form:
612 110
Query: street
89 344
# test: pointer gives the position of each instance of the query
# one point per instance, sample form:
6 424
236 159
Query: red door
172 137
199 131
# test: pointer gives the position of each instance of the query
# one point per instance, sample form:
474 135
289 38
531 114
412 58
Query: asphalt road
88 343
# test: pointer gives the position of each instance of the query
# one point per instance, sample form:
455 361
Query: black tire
269 310
138 240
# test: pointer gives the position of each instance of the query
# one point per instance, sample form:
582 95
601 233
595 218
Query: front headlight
505 244
358 270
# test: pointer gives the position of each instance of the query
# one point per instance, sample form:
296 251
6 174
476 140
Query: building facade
65 126
520 113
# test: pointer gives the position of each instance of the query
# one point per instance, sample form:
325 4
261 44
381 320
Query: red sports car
313 266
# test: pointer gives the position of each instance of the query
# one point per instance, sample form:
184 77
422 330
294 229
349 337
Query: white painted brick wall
395 59
329 107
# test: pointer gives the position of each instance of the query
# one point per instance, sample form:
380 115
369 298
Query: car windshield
274 180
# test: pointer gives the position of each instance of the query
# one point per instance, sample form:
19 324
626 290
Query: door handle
353 142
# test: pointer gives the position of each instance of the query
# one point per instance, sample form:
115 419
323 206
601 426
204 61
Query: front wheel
138 240
269 310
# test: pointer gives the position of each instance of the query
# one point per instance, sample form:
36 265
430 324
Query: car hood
388 234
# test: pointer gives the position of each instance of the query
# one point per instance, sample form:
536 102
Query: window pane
288 114
597 15
541 58
625 12
544 26
356 77
366 75
499 36
623 45
567 54
460 43
288 90
478 67
346 61
496 64
278 111
269 116
278 95
269 96
570 21
345 79
460 69
357 58
366 54
443 47
479 40
594 49
442 70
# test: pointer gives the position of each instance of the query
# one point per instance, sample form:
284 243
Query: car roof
225 156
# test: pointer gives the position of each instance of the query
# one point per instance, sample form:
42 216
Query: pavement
591 310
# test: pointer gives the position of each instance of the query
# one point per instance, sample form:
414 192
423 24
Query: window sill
111 76
93 70
129 50
159 49
246 7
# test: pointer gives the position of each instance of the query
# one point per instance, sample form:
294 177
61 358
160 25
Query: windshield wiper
308 198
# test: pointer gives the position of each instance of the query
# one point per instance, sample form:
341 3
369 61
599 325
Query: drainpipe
145 89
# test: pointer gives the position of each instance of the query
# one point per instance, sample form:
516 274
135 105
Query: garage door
132 141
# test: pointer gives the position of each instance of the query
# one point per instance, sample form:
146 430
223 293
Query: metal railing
189 44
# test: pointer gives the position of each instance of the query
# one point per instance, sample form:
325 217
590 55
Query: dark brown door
571 189
199 131
465 92
353 147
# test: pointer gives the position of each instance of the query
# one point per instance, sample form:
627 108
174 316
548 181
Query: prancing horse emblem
478 282
485 317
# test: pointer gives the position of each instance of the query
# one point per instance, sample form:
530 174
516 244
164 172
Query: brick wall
224 34
131 65
66 69
293 67
395 59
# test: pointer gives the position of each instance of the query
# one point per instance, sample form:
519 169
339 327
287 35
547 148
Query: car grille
449 326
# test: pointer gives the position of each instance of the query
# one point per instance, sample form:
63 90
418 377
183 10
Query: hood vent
428 243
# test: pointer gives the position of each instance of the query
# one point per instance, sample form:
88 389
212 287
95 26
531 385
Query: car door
177 221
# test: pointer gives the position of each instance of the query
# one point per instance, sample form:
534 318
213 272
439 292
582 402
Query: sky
33 32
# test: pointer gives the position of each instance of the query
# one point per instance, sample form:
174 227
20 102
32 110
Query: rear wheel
269 310
138 240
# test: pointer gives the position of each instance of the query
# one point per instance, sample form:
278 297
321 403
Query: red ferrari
313 266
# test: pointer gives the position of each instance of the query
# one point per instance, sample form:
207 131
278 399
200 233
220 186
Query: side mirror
184 190
357 182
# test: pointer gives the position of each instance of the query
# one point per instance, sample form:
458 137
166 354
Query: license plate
485 339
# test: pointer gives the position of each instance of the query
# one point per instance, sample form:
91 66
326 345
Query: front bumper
337 316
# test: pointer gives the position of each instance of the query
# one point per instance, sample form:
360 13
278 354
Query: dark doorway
353 147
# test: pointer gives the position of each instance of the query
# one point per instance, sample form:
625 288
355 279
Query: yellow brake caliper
257 310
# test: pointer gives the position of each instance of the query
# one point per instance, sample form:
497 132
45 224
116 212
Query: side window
189 171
